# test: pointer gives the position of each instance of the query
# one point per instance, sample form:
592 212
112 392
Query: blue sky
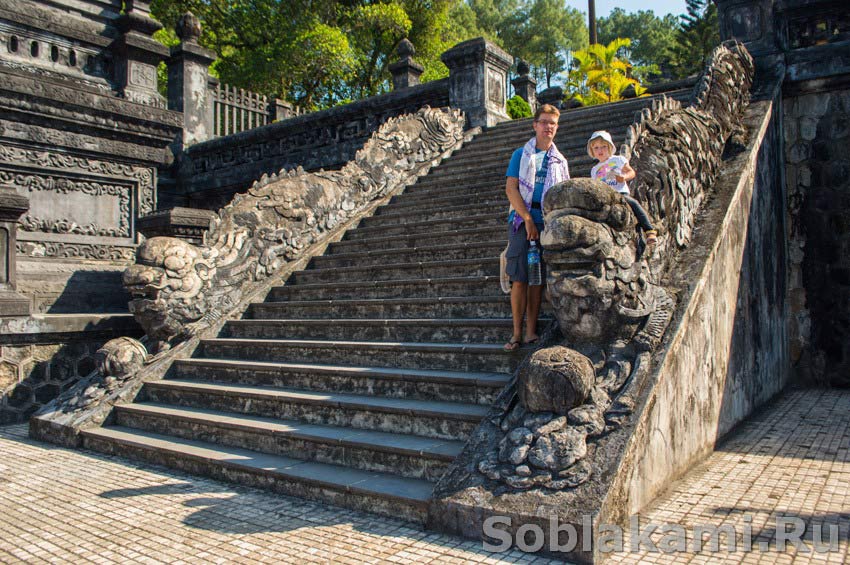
660 7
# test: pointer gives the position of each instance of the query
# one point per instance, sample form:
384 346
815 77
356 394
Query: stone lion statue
606 288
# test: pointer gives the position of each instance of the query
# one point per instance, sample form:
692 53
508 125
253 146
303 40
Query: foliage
518 108
317 53
653 39
698 35
541 32
601 74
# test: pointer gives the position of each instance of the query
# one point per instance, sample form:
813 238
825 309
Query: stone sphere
120 357
556 379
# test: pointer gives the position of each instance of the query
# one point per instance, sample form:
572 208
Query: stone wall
210 173
817 135
728 353
42 356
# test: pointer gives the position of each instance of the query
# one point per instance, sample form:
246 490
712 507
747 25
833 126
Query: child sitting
615 171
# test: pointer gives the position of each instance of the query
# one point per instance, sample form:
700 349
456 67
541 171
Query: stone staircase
358 381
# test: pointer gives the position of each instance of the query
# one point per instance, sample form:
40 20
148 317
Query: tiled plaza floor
791 461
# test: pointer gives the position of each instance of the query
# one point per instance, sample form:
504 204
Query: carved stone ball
189 27
556 379
405 48
522 68
120 357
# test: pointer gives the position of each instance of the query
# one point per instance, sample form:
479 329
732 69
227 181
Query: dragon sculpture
606 288
177 287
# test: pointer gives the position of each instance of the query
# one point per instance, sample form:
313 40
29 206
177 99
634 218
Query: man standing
534 168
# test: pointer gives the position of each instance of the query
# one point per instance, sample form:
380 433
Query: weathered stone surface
556 379
177 286
120 357
558 450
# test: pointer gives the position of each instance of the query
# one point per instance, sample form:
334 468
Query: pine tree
698 35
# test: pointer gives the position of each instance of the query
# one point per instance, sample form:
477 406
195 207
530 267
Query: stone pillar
752 23
478 78
137 54
525 86
283 110
188 81
12 205
405 71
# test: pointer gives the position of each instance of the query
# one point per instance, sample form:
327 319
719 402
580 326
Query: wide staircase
358 381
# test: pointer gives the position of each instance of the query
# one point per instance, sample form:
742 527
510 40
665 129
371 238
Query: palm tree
602 76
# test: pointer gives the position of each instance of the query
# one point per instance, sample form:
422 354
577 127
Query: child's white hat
601 134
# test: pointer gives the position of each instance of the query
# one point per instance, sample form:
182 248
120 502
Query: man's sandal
513 344
651 237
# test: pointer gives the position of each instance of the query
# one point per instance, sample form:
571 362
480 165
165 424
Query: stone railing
183 292
235 110
656 357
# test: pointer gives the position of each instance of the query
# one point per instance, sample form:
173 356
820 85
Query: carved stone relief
84 208
178 287
12 157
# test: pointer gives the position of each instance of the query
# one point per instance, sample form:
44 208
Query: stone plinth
525 86
478 80
185 223
405 71
12 206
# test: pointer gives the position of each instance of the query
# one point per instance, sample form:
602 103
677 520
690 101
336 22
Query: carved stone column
137 54
525 86
188 80
405 71
478 77
12 205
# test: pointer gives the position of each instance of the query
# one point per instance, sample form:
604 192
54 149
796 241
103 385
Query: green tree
377 29
601 75
698 35
652 38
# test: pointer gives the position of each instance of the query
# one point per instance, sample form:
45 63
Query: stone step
436 214
489 189
471 236
415 254
415 228
457 199
401 454
479 357
495 306
413 384
381 493
451 330
425 270
571 144
433 419
448 286
580 166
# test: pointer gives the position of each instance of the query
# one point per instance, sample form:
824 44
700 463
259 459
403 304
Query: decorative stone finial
522 68
406 49
189 28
